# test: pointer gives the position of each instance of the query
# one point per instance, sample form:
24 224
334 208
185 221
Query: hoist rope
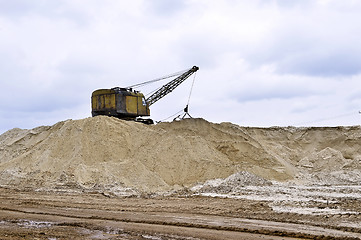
158 79
177 113
189 98
190 93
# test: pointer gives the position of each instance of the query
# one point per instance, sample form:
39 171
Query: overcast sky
262 62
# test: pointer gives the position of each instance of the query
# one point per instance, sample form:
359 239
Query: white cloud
317 39
261 62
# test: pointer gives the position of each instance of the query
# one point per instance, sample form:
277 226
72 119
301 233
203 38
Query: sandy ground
40 215
115 155
105 178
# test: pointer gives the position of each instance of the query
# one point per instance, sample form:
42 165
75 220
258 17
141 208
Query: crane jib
170 86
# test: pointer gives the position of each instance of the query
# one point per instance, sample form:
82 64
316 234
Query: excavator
129 104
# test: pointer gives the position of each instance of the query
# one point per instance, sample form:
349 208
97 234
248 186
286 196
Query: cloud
287 60
23 10
330 64
164 8
317 39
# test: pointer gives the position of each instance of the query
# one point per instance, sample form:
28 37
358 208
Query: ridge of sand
108 153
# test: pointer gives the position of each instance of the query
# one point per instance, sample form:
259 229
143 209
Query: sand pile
104 153
231 184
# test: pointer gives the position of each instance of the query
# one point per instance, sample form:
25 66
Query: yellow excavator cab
119 102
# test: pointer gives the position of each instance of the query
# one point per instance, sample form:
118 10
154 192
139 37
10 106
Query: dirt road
40 215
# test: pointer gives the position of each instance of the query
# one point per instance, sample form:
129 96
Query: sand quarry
217 181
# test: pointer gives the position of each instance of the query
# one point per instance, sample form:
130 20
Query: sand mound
104 153
230 184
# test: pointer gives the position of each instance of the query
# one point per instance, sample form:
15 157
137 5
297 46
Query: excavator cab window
143 101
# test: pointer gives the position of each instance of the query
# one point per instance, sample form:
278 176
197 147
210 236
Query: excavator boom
169 87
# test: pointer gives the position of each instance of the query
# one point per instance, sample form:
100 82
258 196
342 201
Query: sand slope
108 153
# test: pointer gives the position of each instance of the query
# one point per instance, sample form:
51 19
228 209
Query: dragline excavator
128 104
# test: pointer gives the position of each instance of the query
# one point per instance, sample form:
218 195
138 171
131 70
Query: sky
262 62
